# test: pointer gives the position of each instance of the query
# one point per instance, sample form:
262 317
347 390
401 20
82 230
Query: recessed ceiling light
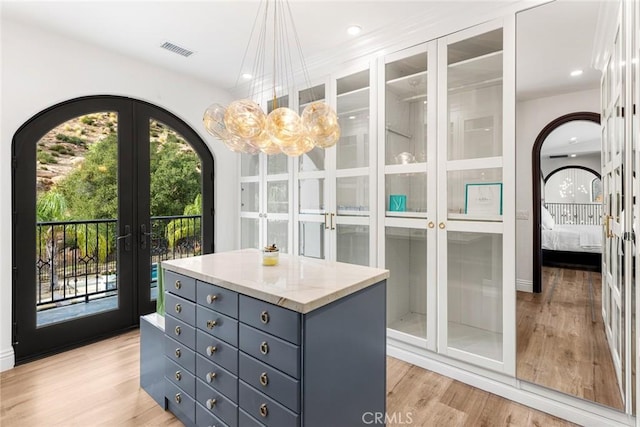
572 155
352 117
247 76
573 140
576 73
354 30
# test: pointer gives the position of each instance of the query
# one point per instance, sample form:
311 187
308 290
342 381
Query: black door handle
143 236
126 237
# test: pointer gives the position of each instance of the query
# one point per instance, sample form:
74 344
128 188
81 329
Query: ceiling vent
176 49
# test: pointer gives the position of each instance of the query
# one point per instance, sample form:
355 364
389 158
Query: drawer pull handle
263 410
178 284
211 323
178 352
211 376
178 375
211 403
211 298
178 398
264 347
264 317
177 330
211 349
178 308
264 380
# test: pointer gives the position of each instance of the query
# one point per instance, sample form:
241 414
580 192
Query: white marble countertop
297 283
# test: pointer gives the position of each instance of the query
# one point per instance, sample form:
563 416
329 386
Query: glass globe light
213 120
271 148
284 126
321 123
304 145
244 119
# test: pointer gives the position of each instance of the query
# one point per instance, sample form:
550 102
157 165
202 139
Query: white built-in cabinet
421 182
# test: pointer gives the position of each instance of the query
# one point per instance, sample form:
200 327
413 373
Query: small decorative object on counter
270 255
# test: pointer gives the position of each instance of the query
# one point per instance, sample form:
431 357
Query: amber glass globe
271 148
304 145
321 123
284 126
213 120
244 119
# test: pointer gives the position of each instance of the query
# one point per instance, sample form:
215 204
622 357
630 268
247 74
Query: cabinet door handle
211 403
326 225
211 324
264 347
177 330
211 349
178 352
178 284
264 380
441 226
431 224
264 317
333 225
178 308
211 298
178 375
211 376
178 398
263 410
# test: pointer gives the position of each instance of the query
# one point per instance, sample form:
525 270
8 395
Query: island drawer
217 324
180 376
217 351
217 403
180 331
270 381
180 284
180 354
265 409
217 377
180 308
278 321
205 418
217 298
273 351
178 401
246 420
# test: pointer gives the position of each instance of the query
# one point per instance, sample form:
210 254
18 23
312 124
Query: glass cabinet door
250 201
476 106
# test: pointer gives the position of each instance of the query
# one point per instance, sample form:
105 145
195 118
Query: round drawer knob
211 376
211 323
178 308
178 284
264 380
177 330
178 398
211 349
264 317
431 224
211 298
178 352
211 403
178 375
264 347
263 410
441 225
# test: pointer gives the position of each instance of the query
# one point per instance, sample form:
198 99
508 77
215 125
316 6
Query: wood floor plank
98 385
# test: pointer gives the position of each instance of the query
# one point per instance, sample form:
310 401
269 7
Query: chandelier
243 126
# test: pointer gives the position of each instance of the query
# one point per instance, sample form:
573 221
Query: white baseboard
524 285
7 360
570 408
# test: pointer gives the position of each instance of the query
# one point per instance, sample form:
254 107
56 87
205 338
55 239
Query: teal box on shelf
397 202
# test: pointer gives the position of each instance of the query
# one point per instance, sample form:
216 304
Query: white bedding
573 238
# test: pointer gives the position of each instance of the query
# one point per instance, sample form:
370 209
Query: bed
572 245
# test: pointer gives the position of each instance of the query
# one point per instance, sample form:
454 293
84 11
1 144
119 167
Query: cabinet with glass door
476 156
407 192
265 192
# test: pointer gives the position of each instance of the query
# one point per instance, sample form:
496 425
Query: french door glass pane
406 110
249 197
475 194
353 196
474 84
311 239
406 259
278 196
249 165
175 198
77 219
353 112
311 196
352 244
277 164
249 233
278 233
474 293
406 195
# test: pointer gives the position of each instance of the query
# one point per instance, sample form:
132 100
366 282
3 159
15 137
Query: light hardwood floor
559 345
98 385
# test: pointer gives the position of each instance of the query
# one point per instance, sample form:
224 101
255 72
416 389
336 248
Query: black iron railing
76 261
576 213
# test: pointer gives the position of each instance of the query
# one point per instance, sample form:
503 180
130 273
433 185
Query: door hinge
15 341
14 162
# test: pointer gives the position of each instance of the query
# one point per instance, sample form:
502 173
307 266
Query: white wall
40 69
531 117
591 161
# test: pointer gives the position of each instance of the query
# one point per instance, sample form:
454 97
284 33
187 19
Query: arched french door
104 188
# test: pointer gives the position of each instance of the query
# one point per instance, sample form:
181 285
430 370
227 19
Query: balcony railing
76 261
576 213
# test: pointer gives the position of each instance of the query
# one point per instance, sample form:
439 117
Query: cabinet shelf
406 214
475 340
471 217
484 69
411 87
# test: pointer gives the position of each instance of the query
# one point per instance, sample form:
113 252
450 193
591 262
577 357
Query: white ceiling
559 141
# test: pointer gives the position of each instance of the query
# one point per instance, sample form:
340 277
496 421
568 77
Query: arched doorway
104 188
